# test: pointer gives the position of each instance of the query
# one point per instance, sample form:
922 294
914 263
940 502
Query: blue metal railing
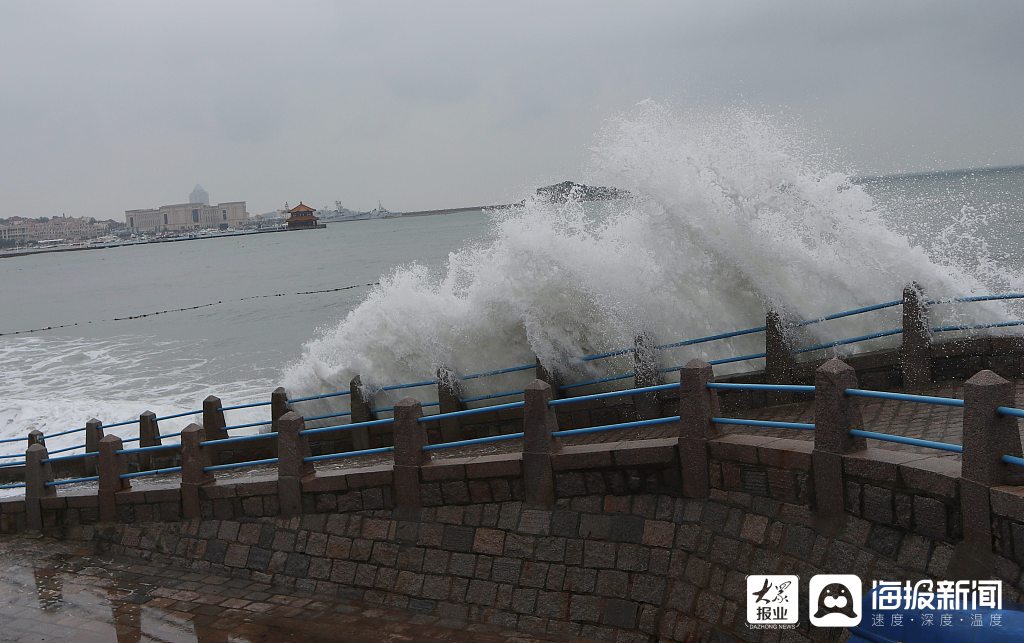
490 396
712 338
174 416
609 394
849 313
782 388
906 397
395 387
391 409
149 449
765 424
328 416
483 409
243 406
500 371
612 378
899 439
13 485
465 443
1006 410
347 454
237 439
1009 295
613 427
600 380
150 472
318 397
1005 324
346 427
850 340
614 353
246 426
1012 459
57 483
239 465
68 458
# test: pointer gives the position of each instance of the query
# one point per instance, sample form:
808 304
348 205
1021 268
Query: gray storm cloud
117 105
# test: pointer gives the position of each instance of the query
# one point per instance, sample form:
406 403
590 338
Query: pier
566 509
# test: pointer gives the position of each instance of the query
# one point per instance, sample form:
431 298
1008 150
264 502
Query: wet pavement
58 591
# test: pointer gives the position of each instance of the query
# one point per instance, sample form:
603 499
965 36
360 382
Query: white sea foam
729 215
60 382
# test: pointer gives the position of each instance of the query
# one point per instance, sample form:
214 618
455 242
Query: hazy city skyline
120 105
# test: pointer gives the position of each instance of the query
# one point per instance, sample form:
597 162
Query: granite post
780 362
292 449
539 443
410 438
362 411
37 473
194 459
149 436
111 465
697 405
449 398
987 437
278 406
835 413
915 351
93 435
548 375
35 436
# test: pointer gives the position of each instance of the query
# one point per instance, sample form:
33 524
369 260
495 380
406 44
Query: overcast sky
114 105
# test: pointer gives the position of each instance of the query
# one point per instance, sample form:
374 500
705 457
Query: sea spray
727 216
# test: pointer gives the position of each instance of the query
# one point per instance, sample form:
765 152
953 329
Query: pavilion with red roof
302 216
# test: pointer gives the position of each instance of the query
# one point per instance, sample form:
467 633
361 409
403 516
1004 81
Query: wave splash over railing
730 213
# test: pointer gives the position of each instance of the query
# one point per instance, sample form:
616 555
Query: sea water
731 212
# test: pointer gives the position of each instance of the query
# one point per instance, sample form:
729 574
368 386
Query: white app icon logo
772 599
834 600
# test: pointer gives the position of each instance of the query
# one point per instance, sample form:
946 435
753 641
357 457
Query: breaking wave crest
729 214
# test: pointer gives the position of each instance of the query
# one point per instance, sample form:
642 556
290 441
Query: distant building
199 195
66 228
302 216
186 216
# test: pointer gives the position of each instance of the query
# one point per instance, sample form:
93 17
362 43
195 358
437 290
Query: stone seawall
618 556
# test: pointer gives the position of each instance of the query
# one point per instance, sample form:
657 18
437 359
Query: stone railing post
410 438
93 435
149 436
987 437
449 398
194 459
915 351
697 405
362 411
645 373
278 407
213 419
292 449
544 374
835 414
111 465
37 473
539 443
780 362
35 436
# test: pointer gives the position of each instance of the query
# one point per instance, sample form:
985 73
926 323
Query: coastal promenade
622 514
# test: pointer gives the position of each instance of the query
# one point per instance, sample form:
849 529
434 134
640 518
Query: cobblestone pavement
51 591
